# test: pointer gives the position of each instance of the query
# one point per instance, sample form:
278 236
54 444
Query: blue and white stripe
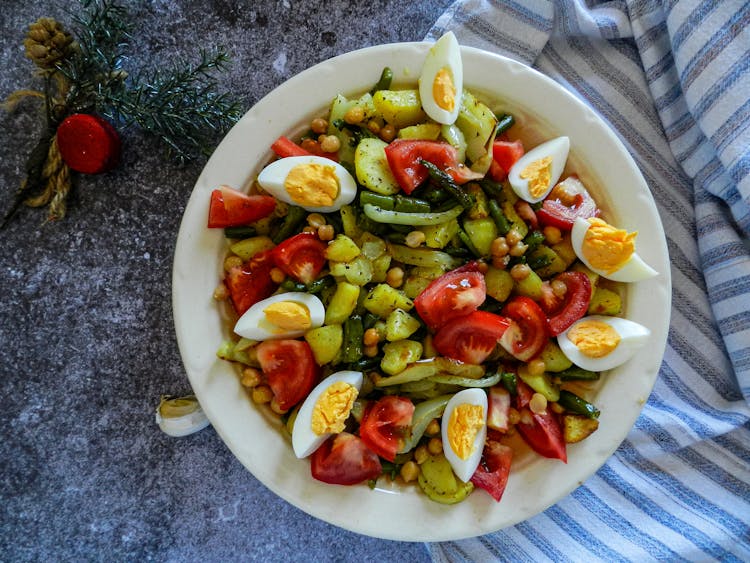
672 78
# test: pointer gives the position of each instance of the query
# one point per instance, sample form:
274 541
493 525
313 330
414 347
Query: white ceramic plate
391 512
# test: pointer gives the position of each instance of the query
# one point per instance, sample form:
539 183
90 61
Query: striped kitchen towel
671 77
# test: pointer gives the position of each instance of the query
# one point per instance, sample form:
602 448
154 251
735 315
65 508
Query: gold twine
56 174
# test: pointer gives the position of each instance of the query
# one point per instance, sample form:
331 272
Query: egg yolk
332 408
312 185
538 174
594 339
607 248
443 90
464 424
288 315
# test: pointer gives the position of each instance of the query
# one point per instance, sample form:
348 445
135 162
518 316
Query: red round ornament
88 143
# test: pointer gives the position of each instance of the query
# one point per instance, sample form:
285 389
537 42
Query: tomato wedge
284 147
527 334
504 156
301 256
251 282
574 305
385 424
403 156
544 433
567 201
290 368
454 294
344 460
232 208
494 469
471 338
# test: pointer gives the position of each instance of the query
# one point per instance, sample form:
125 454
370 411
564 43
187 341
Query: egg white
273 176
556 148
635 269
304 440
444 53
465 468
633 337
253 324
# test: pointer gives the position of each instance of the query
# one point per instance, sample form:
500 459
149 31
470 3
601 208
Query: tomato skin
494 469
544 433
454 294
567 201
504 155
575 303
284 147
301 256
498 408
472 338
344 459
403 156
384 424
232 208
290 368
527 334
251 282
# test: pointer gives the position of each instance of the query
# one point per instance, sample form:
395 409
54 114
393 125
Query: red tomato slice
471 338
544 433
290 368
568 200
384 425
284 147
232 208
403 157
498 408
454 294
301 256
344 460
251 282
575 302
505 154
527 334
494 469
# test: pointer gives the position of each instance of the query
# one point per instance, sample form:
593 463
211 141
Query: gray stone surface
86 327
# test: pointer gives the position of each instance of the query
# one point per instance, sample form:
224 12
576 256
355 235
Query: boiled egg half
441 81
284 315
314 183
325 411
534 175
464 429
608 251
599 343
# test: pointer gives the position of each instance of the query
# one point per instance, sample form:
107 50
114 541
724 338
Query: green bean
501 221
369 320
353 333
291 285
366 364
382 201
577 374
384 83
509 381
495 189
394 202
539 261
533 240
320 284
239 232
504 123
445 181
467 243
294 218
577 405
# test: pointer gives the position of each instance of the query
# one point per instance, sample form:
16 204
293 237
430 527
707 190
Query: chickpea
388 133
250 377
277 275
329 143
538 403
394 277
326 232
433 428
513 237
520 272
275 407
415 239
354 115
518 249
371 337
310 145
421 454
556 408
316 220
409 471
536 367
373 126
309 229
559 288
319 125
221 293
552 235
370 351
482 266
262 394
435 446
500 263
514 416
499 247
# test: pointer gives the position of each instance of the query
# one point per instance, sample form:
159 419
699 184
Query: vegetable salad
411 287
